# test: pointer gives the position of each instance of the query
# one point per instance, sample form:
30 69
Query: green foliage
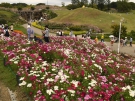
131 34
78 27
123 6
132 5
6 5
19 27
22 5
3 21
70 6
9 16
51 56
75 28
7 76
40 4
116 28
75 32
32 8
50 13
48 7
19 8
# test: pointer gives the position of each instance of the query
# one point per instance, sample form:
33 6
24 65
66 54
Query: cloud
50 2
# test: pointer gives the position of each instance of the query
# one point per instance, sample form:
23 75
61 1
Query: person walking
6 31
71 34
46 34
96 40
30 33
12 27
131 41
102 38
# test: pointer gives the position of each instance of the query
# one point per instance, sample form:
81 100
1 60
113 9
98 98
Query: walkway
126 49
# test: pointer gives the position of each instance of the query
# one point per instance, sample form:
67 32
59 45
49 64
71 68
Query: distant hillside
94 17
9 16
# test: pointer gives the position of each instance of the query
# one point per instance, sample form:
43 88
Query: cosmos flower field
69 69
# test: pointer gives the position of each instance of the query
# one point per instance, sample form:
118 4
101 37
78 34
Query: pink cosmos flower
87 97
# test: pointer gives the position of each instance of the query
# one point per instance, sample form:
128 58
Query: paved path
126 49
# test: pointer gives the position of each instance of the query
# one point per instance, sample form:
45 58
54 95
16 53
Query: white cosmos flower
15 62
29 85
75 83
67 52
89 76
22 78
86 78
128 87
53 69
72 94
23 50
22 84
89 87
124 88
50 91
132 93
60 73
56 87
50 80
93 83
37 75
42 78
98 66
44 63
71 91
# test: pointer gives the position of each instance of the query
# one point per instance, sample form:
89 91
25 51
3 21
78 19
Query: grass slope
9 16
94 17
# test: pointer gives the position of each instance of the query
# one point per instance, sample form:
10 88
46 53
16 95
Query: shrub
3 21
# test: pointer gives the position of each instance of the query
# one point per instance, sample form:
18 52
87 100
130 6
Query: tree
92 3
6 5
22 5
113 5
40 4
101 4
19 8
108 4
75 2
132 5
116 28
32 8
132 34
123 6
3 21
47 7
85 2
63 4
71 6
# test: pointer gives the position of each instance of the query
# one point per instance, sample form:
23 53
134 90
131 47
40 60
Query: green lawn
7 76
94 17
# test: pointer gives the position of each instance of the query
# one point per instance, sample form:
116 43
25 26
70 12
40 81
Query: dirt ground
5 96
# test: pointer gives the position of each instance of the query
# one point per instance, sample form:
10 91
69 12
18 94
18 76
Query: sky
49 2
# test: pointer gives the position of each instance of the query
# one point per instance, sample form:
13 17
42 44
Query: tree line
17 5
122 6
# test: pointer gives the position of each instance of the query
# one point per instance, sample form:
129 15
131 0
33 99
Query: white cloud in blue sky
50 2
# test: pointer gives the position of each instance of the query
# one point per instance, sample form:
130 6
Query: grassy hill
10 17
94 17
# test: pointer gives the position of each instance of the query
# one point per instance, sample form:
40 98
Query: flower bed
70 69
19 32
